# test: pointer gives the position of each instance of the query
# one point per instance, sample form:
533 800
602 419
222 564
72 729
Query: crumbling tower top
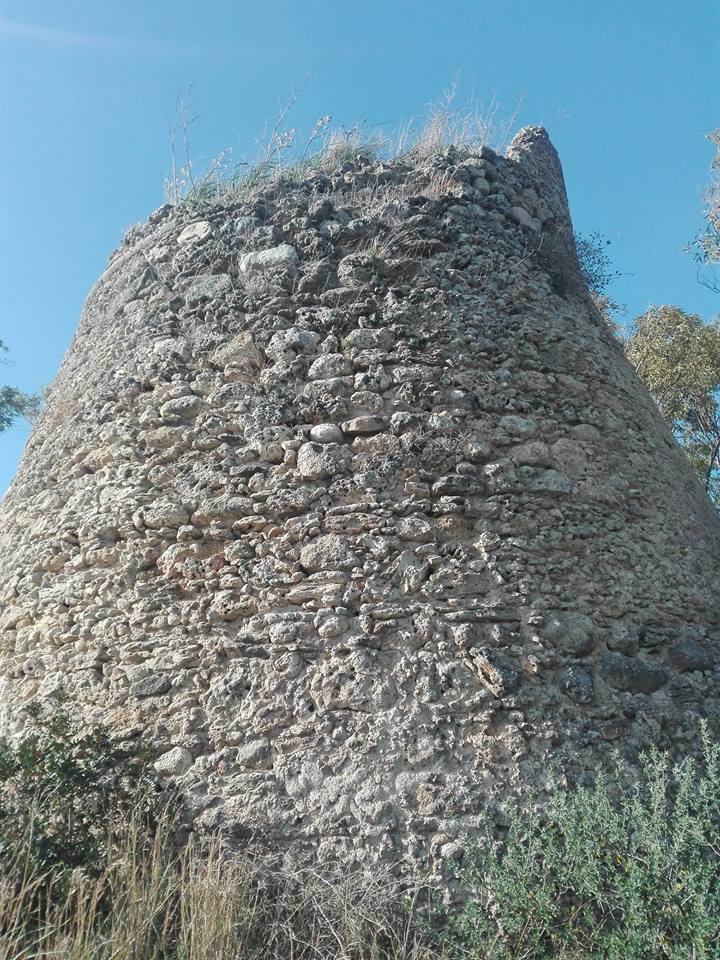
532 150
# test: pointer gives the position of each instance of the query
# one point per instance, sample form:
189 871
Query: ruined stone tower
346 504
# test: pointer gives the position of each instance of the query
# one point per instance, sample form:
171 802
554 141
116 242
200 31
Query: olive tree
678 358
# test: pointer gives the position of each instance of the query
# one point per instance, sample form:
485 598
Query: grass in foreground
89 870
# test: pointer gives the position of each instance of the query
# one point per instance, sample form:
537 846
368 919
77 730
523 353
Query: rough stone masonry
346 504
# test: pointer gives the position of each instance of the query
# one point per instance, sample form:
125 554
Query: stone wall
346 504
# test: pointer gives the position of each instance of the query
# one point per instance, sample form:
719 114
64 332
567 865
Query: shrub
598 273
621 870
60 789
595 264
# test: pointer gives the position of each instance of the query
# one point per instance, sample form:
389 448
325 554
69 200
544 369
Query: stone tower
346 504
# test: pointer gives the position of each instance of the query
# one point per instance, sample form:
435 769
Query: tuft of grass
151 902
466 126
285 159
91 868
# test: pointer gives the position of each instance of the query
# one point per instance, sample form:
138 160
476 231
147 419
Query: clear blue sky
627 89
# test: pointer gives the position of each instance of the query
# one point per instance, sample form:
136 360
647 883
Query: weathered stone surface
230 606
690 655
330 365
151 686
328 552
174 763
326 433
525 220
210 287
363 545
632 674
363 425
263 260
287 344
577 683
319 461
195 233
164 513
502 680
256 755
183 408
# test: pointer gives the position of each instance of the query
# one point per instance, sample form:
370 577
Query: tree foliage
598 273
707 244
14 404
678 358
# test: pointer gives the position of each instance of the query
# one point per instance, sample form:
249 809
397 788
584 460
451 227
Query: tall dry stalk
151 902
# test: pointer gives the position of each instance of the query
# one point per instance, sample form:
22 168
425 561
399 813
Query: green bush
60 788
628 869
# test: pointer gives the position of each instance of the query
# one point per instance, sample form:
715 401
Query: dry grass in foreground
151 903
626 868
90 869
